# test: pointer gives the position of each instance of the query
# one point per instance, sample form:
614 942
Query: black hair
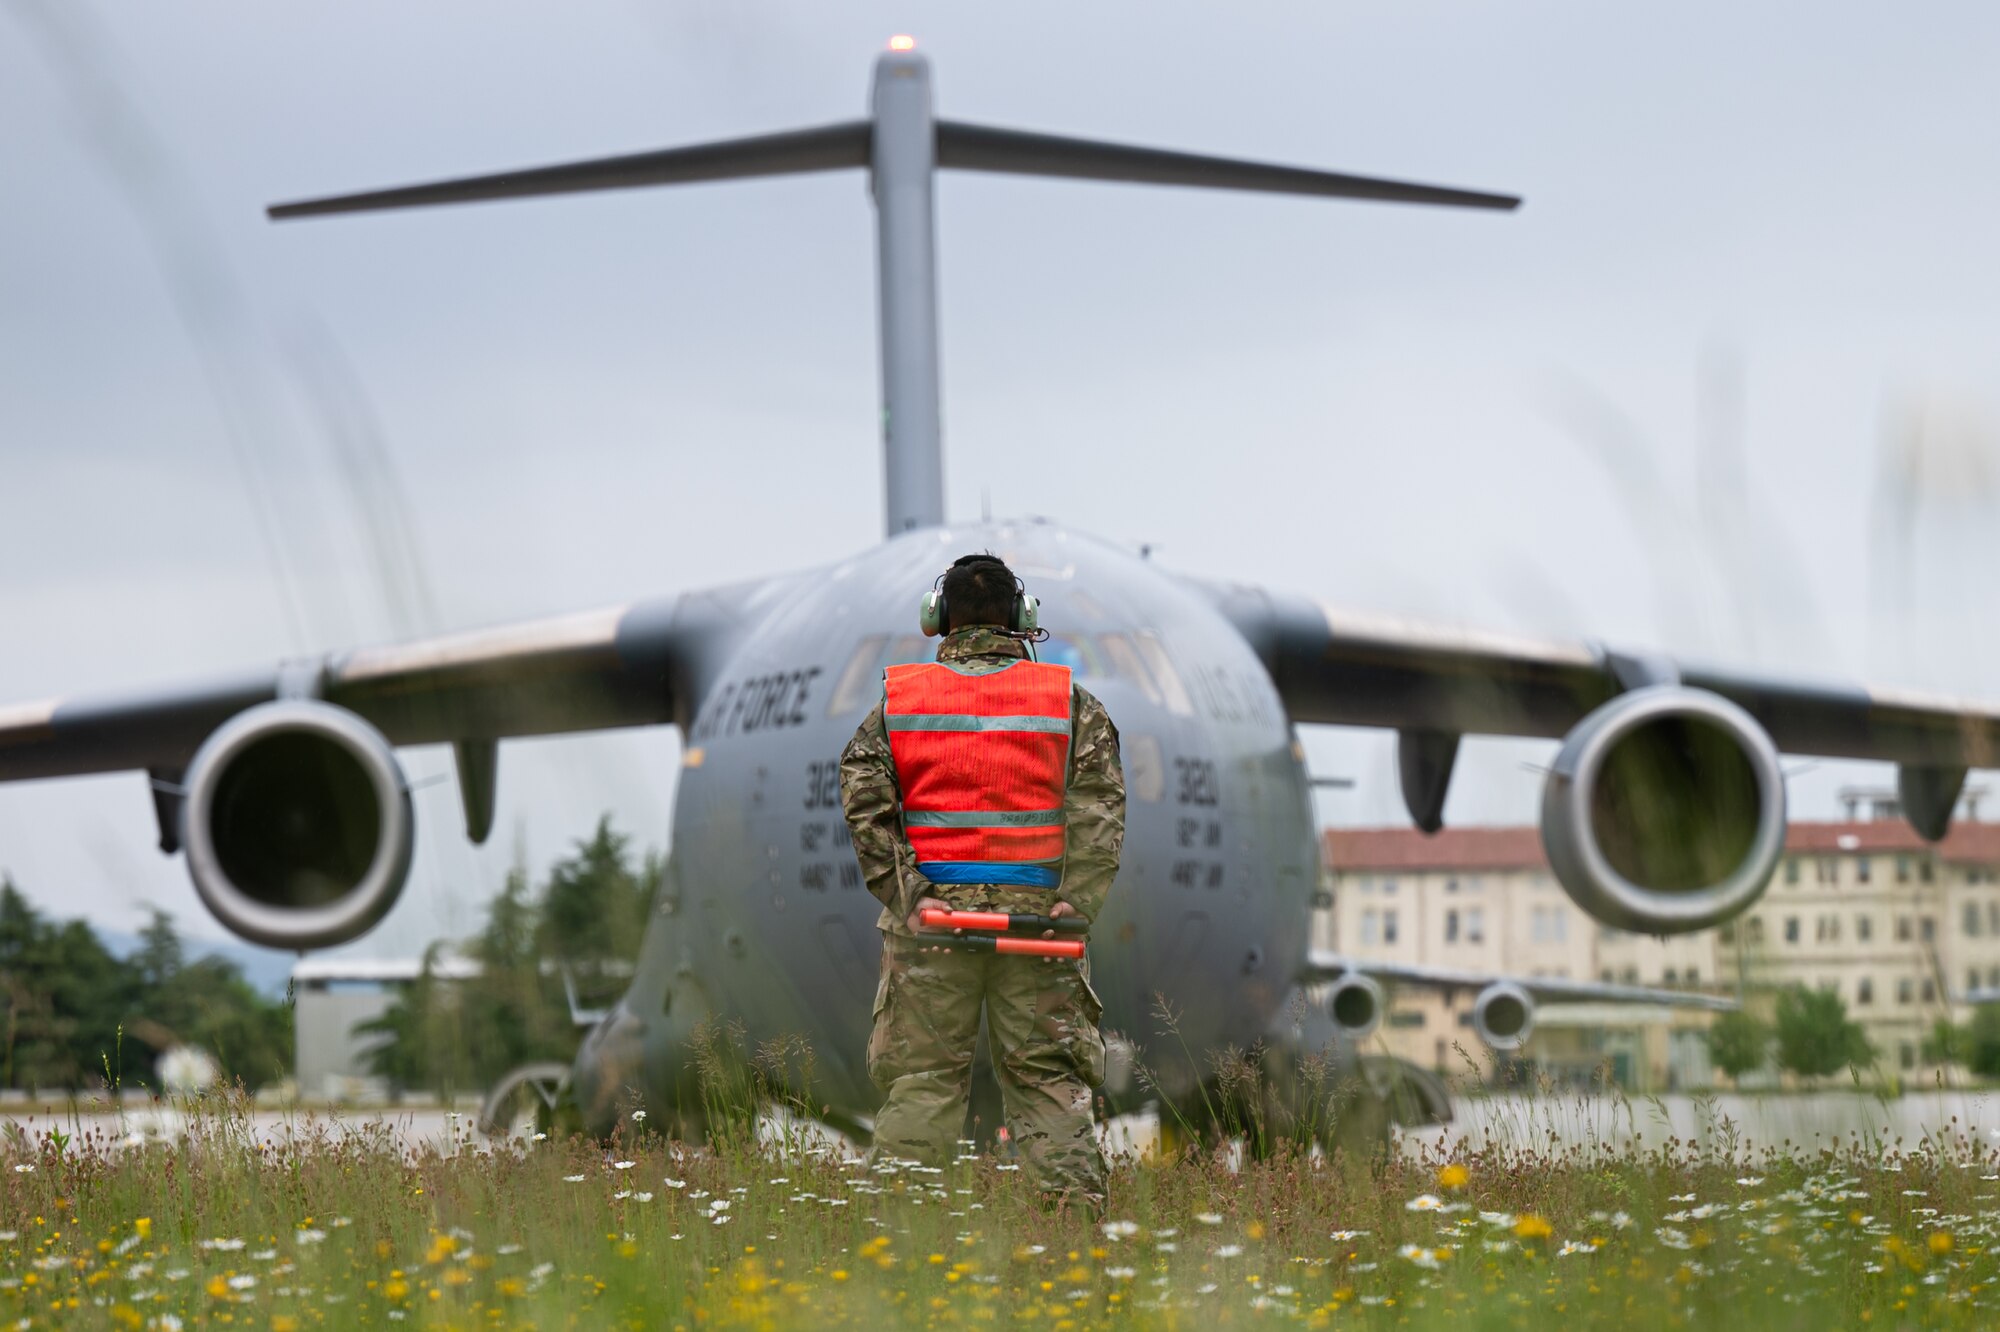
979 589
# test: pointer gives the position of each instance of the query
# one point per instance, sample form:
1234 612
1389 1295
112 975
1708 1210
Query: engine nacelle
1664 811
1504 1015
1355 1003
297 825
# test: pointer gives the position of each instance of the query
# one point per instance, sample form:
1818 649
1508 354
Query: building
332 996
1899 927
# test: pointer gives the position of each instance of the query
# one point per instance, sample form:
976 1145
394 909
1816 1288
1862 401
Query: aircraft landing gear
540 1090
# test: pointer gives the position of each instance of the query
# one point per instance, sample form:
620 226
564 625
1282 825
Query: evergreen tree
1982 1041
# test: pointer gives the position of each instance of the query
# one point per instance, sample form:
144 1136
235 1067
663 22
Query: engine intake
1664 811
1504 1015
297 825
1355 1004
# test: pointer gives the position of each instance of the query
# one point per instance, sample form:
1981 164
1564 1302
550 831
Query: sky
1728 384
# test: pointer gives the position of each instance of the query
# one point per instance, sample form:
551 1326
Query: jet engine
1355 1003
1664 811
297 824
1503 1015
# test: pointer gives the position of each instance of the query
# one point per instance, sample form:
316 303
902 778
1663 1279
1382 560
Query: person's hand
915 920
1057 912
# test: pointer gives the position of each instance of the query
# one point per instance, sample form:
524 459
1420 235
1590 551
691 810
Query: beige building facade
1900 928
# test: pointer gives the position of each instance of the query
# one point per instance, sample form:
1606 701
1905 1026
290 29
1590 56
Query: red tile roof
1496 849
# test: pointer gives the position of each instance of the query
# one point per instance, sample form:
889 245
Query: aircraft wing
620 666
1325 966
1349 668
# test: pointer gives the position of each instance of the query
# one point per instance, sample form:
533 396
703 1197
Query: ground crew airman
986 781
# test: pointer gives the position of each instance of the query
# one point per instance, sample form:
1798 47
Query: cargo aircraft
1664 810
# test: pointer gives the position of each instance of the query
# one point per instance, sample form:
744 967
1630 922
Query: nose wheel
535 1090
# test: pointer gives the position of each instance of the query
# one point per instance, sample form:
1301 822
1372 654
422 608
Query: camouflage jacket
1093 804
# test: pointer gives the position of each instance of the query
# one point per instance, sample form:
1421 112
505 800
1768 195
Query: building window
1605 976
1864 928
1451 925
1669 976
1388 887
1791 869
1791 929
1827 929
1993 978
1389 926
1692 976
1924 869
1753 930
1863 867
1728 931
1993 917
1906 1055
1972 978
1902 869
1829 870
1451 885
1371 931
1972 920
1631 975
1864 991
1906 990
1929 990
1475 925
1903 929
1927 928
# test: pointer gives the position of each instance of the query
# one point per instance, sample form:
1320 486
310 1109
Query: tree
1947 1043
1982 1041
1815 1035
1738 1043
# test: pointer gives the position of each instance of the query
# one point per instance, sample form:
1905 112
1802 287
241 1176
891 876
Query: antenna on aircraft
902 144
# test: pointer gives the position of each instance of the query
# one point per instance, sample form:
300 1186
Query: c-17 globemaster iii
1663 811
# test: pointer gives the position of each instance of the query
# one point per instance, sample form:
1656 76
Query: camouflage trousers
1041 1018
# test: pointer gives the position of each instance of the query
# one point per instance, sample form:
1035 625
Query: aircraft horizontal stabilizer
827 148
1018 152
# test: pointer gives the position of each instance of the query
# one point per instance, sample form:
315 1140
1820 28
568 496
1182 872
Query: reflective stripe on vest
983 761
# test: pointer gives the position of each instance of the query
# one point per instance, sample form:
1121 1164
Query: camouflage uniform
1042 1015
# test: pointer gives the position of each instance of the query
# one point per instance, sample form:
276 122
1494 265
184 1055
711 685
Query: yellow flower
144 1225
1940 1242
1255 1230
1532 1227
1453 1176
218 1287
284 1323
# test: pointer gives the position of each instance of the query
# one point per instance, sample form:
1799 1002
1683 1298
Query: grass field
340 1230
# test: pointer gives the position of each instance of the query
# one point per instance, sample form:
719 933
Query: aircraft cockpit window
1127 665
858 679
1172 691
860 684
1075 651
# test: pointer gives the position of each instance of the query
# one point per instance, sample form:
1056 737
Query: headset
1024 620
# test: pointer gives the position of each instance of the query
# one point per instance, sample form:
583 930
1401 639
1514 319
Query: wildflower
1532 1227
243 1282
143 1227
1118 1230
1229 1251
1751 1181
572 1179
1342 1236
309 1236
643 1197
540 1137
1167 1246
1425 1202
1208 1289
1574 1246
1209 1218
1453 1176
1681 1197
1499 1220
718 1204
1429 1259
638 1116
675 1183
1673 1239
24 1169
622 1165
1940 1242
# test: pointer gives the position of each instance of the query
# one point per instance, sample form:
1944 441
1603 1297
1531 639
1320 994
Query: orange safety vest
983 761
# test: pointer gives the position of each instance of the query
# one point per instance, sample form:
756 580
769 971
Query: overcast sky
1727 384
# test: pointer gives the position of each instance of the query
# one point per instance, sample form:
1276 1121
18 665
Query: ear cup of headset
1027 613
931 617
